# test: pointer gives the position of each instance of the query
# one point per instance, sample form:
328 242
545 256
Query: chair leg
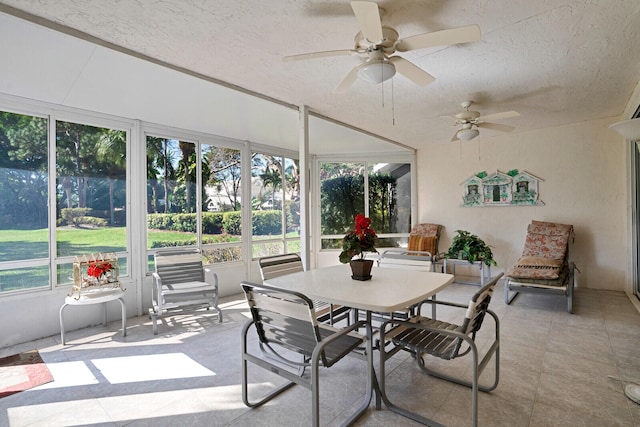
246 357
384 356
570 286
507 297
474 384
154 320
478 368
216 300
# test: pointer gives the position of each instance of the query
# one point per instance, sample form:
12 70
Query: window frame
167 132
64 114
367 161
284 155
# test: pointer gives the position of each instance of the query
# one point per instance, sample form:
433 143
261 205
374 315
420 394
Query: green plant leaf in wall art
513 172
481 174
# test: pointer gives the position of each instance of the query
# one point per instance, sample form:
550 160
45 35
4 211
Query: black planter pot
361 269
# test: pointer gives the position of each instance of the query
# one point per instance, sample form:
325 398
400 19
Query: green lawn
30 244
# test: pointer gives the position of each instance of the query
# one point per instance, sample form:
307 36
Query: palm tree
112 151
272 178
188 149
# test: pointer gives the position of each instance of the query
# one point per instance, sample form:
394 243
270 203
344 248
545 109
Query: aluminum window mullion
53 255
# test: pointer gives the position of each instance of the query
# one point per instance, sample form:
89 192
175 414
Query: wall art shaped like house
501 189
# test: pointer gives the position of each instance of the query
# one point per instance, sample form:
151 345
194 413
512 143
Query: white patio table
389 290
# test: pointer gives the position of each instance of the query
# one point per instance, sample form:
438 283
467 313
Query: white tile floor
555 371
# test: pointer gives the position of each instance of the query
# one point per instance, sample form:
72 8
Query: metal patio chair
181 282
287 329
424 337
279 265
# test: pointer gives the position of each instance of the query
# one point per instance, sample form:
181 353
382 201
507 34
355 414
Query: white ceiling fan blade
503 115
323 54
411 71
368 17
470 33
347 81
495 126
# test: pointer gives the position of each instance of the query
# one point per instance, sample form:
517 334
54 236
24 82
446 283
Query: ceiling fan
470 121
376 45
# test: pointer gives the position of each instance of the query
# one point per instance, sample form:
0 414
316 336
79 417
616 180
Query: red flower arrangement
358 241
98 269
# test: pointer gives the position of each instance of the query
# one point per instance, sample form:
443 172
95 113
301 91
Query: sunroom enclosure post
305 224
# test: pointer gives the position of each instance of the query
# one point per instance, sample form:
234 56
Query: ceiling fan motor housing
390 37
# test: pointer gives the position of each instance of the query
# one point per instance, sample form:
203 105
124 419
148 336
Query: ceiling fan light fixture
467 134
376 71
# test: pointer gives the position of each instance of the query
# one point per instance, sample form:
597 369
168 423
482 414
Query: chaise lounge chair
544 265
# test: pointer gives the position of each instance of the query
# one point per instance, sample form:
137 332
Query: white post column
305 179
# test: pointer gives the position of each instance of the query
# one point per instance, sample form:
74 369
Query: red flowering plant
359 240
98 269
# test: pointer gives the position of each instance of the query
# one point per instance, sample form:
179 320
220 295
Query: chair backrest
279 265
478 307
476 311
179 266
402 258
547 240
282 317
424 238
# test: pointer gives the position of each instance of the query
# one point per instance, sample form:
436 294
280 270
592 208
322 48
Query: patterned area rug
21 372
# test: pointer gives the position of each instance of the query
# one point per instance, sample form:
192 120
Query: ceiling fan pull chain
382 85
393 105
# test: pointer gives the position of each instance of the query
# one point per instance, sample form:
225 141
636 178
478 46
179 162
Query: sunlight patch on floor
69 374
118 408
152 367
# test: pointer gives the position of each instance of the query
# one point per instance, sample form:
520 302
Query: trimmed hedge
267 223
212 222
223 238
232 222
264 222
79 217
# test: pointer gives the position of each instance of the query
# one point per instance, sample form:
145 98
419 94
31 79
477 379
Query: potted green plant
357 242
470 247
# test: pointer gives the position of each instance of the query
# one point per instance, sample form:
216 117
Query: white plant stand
99 297
485 270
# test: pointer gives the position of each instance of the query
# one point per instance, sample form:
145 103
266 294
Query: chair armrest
340 333
345 330
212 275
157 279
450 304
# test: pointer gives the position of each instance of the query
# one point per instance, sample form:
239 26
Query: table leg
433 307
374 387
372 384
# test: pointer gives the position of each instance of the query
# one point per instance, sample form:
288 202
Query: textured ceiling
553 61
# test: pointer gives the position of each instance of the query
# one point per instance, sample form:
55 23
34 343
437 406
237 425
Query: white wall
583 167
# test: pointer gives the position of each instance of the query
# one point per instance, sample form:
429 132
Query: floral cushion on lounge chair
426 229
547 240
544 277
544 254
537 268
